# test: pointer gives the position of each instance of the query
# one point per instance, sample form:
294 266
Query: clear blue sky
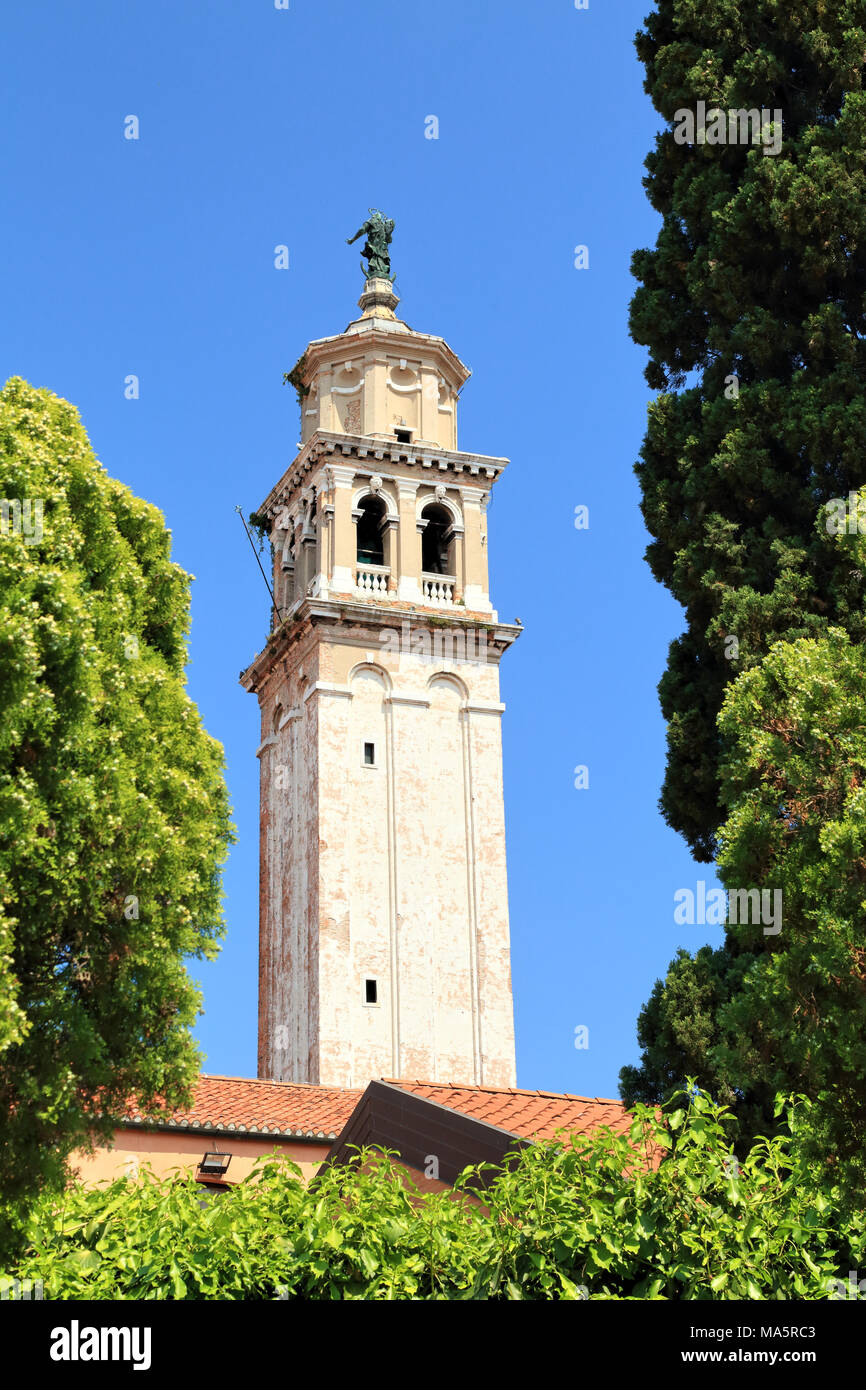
155 257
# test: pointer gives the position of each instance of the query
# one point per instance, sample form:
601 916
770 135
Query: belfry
383 912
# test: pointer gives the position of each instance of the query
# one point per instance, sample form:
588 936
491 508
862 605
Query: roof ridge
501 1090
268 1081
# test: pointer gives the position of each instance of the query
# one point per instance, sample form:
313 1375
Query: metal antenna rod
277 608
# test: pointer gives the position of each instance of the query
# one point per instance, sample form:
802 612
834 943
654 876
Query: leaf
84 1260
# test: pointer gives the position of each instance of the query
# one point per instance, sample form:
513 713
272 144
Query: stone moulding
323 444
315 611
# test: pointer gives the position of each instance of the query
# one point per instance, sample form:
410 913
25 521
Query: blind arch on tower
367 672
448 688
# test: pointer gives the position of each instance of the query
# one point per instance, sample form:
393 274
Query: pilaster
343 575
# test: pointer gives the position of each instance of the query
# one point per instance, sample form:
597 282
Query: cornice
391 338
325 447
311 612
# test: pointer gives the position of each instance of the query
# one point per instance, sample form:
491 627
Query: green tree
775 1010
753 306
794 779
678 1031
113 810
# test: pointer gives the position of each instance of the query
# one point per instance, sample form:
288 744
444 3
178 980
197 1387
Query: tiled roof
239 1105
531 1114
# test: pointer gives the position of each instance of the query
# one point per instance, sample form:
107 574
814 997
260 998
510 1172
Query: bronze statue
378 230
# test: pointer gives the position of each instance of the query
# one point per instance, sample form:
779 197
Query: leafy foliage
771 1011
113 807
794 778
590 1218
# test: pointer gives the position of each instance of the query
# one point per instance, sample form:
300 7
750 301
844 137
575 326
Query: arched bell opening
437 540
372 568
371 534
438 554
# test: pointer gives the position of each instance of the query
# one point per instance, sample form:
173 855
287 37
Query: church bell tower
383 913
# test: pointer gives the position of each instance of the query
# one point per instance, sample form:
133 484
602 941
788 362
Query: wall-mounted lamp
214 1164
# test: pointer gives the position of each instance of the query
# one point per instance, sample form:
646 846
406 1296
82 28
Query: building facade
383 916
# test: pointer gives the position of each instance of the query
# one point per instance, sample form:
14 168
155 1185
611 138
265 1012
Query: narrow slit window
369 755
371 991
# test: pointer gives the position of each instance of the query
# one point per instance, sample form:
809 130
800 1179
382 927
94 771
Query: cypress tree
753 307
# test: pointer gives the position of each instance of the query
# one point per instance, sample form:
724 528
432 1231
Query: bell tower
383 913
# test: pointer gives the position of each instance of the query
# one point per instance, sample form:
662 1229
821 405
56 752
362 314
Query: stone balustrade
371 579
438 589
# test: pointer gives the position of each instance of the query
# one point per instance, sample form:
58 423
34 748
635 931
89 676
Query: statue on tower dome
378 230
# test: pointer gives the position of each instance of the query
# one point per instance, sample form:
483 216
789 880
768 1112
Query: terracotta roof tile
531 1114
240 1105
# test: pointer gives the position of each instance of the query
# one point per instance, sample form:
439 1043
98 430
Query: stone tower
383 914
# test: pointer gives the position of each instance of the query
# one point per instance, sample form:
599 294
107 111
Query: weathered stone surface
387 866
393 871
